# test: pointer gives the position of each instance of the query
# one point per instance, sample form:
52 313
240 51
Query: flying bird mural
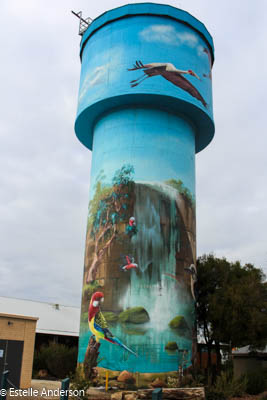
130 264
169 72
98 325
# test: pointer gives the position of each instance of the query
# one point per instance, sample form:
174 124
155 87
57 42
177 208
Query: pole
65 386
157 394
106 381
78 16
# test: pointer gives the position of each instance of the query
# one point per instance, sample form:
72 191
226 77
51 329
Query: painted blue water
152 357
153 288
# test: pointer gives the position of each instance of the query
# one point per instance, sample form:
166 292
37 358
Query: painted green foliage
109 203
107 209
179 186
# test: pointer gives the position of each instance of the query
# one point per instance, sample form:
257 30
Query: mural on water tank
169 72
188 70
140 246
139 273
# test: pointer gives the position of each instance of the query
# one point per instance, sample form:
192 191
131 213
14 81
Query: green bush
39 360
256 382
226 387
212 395
172 382
58 359
79 382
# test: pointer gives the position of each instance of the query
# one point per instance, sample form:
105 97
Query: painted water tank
144 109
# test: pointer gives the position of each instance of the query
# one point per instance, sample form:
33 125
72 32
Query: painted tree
184 191
107 209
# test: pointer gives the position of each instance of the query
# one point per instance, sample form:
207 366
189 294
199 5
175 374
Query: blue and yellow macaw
98 325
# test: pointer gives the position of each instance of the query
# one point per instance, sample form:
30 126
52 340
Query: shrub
79 382
226 387
172 382
199 379
256 382
39 360
58 359
212 395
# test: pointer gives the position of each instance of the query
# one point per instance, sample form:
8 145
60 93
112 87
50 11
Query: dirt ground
40 384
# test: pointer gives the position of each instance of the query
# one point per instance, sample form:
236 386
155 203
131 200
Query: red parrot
130 264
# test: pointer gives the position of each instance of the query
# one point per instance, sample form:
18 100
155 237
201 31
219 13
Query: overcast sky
45 171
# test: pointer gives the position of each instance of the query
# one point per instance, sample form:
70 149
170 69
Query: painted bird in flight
171 73
130 264
98 325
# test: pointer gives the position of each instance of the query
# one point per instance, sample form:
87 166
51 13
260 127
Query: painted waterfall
140 243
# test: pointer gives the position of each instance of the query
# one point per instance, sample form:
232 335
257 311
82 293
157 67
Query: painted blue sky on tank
103 71
109 53
159 145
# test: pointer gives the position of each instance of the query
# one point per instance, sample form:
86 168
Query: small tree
211 274
58 359
232 304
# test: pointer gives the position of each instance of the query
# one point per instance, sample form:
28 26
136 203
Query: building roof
14 316
53 319
245 351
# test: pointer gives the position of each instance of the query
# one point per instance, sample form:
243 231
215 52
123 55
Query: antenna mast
84 23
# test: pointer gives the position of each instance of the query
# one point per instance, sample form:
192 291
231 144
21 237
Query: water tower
144 110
